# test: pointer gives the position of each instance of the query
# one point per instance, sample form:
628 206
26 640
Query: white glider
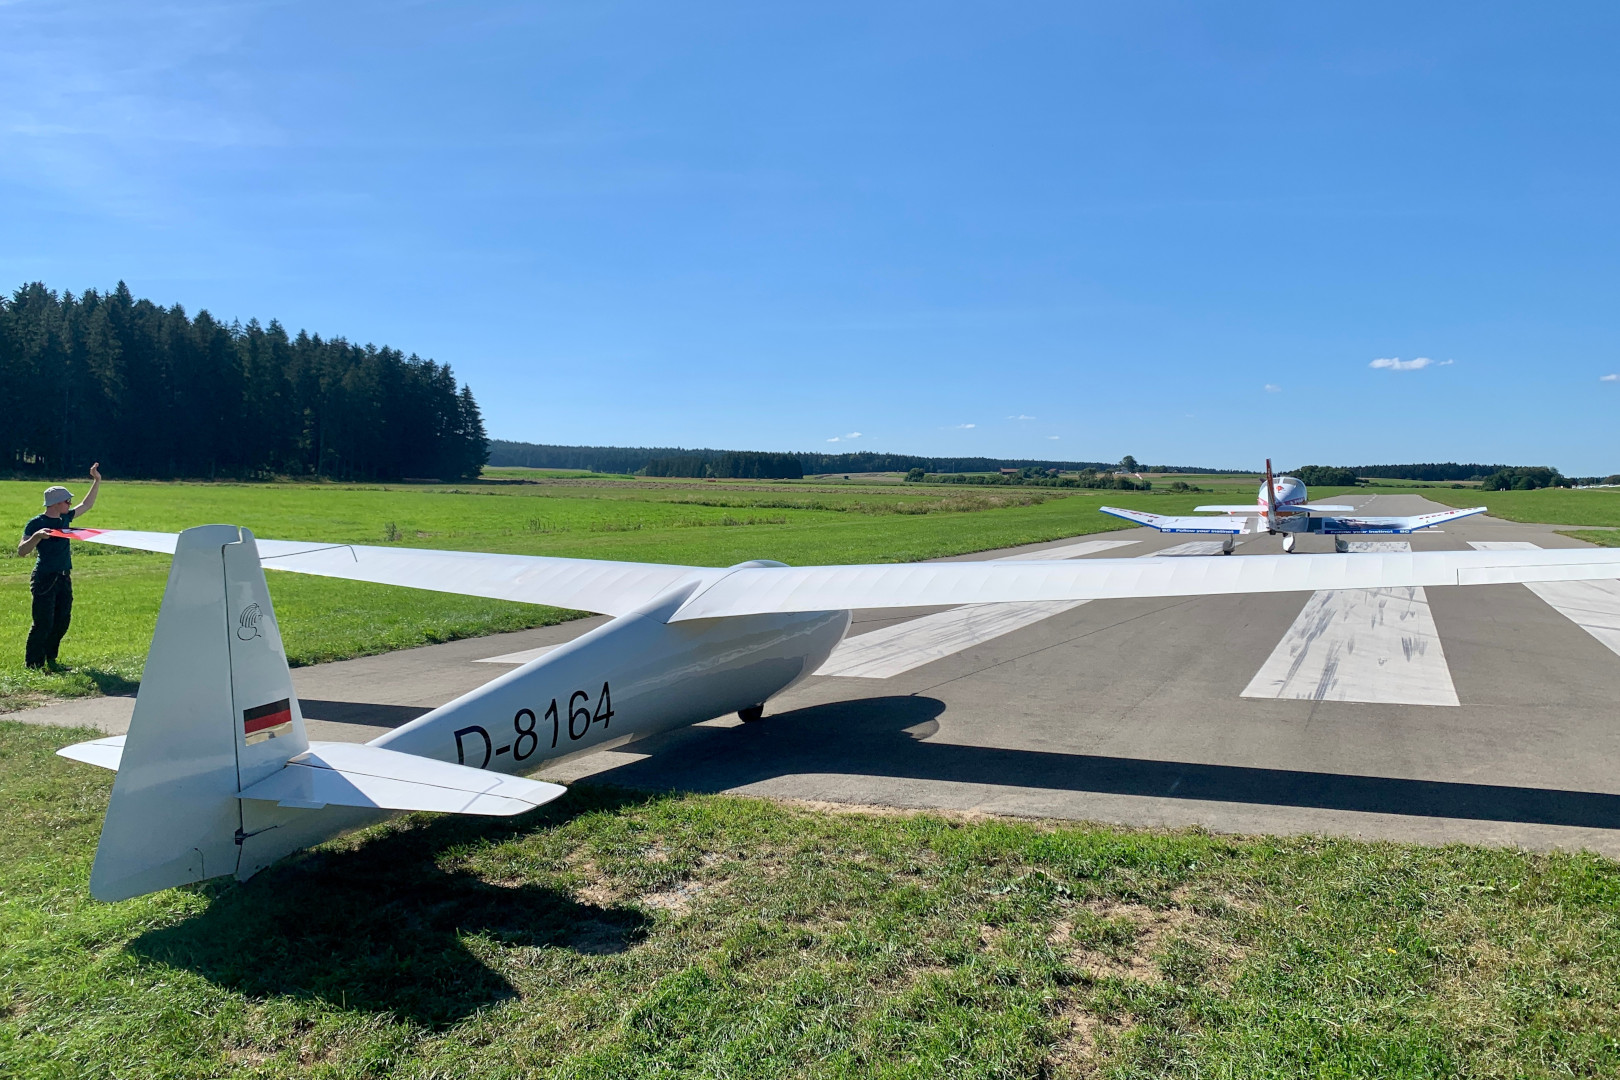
216 775
1282 508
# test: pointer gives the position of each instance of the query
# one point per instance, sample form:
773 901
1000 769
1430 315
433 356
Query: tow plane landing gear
1340 544
1228 544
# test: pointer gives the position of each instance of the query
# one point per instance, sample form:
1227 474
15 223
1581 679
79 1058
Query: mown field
671 521
1551 506
617 935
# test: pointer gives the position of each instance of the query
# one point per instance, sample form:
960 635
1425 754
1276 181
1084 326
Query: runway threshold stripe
893 650
1373 646
1594 606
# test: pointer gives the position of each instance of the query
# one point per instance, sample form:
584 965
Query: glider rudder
215 713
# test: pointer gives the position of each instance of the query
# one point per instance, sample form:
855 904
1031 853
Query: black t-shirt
53 552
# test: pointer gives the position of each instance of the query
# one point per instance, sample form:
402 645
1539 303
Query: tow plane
1282 507
216 774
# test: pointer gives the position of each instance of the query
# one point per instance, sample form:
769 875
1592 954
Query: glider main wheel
751 714
1288 543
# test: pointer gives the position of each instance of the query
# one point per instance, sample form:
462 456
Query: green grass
1600 537
619 935
1550 506
679 521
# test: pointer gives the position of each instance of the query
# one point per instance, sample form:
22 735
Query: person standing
52 581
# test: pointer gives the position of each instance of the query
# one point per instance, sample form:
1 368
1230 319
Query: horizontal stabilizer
1229 525
103 752
1241 508
1325 509
347 774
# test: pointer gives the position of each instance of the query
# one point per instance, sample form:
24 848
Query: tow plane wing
1229 525
1350 525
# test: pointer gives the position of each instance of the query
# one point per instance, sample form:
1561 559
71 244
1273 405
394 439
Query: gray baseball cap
54 495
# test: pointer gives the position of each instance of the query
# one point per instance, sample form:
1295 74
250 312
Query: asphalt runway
1484 714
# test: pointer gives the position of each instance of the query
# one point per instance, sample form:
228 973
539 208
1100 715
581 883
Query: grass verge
703 524
1550 506
614 934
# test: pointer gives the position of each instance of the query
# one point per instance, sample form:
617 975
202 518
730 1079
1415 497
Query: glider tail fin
216 712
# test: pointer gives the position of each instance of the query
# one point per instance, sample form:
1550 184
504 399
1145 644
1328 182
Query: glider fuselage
630 678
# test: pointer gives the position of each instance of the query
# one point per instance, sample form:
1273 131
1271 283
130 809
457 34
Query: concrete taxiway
1485 714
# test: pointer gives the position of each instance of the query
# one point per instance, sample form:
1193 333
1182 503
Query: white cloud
1054 436
964 427
853 435
1020 416
833 439
1417 363
1609 378
1273 388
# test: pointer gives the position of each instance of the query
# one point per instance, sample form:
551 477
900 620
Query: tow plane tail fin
216 713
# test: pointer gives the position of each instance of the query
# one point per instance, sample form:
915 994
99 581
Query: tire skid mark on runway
1594 606
893 650
1373 646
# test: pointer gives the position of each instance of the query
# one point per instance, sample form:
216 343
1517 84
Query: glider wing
611 588
752 591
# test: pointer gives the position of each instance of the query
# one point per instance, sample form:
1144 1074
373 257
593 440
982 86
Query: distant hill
634 459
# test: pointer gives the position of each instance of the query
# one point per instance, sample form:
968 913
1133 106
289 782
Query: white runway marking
1191 547
891 650
1376 646
1069 551
517 657
1594 606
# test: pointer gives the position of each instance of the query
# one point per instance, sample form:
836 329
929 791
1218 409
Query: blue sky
1180 231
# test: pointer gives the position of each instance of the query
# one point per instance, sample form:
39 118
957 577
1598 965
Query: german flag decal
264 717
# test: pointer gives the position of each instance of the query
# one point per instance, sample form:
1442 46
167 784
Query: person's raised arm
90 496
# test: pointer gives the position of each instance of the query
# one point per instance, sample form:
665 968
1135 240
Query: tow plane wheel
1288 543
1227 545
1341 545
751 714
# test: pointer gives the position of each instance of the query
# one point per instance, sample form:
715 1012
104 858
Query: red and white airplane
1282 508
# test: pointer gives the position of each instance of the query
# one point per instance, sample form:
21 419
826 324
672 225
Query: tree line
151 392
626 459
732 464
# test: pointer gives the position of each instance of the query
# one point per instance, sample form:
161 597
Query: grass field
618 935
678 521
1552 506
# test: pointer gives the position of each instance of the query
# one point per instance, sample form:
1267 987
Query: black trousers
53 610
